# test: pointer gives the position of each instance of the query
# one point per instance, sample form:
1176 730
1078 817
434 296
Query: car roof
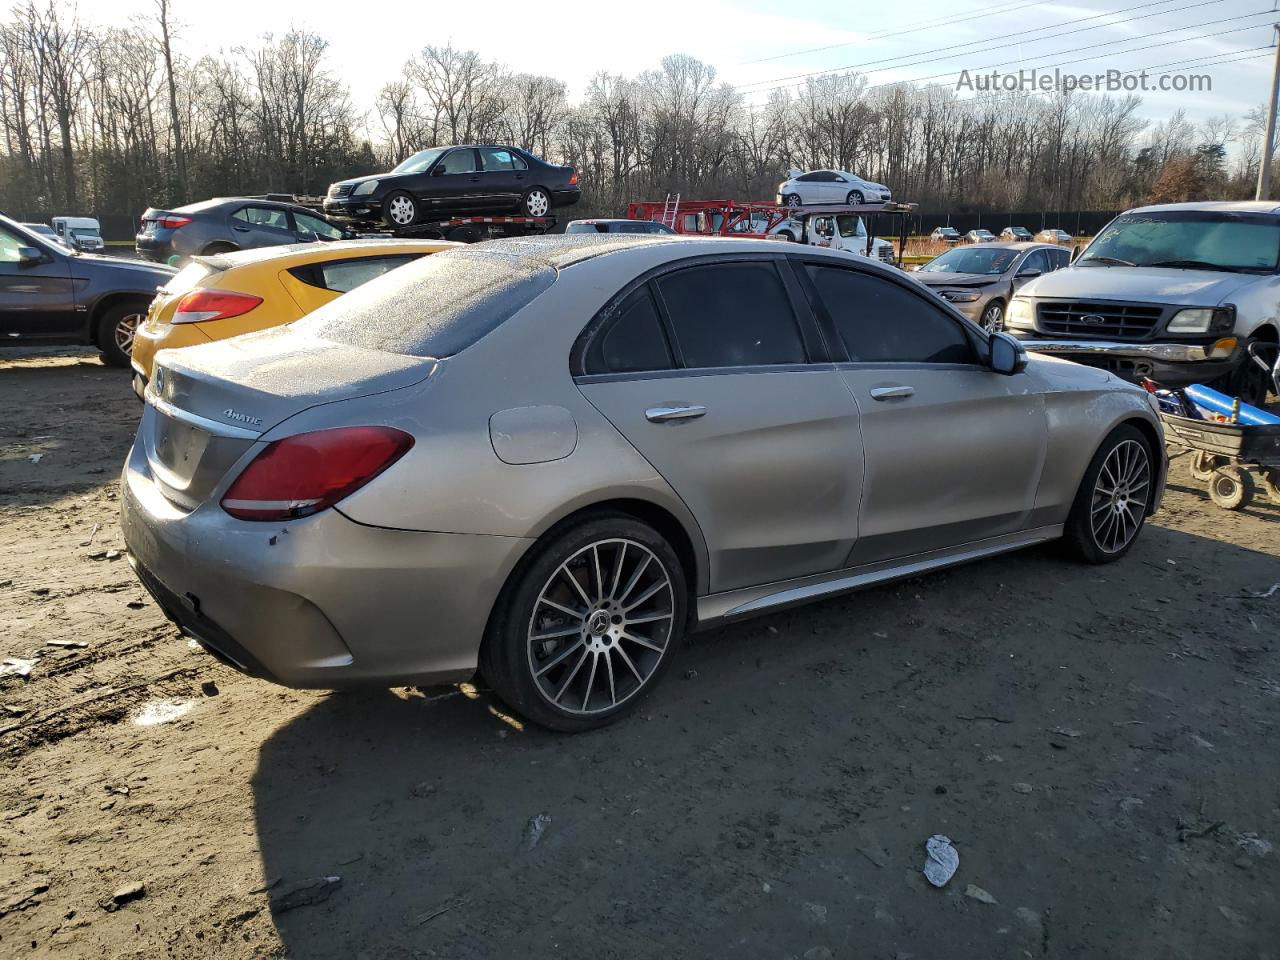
1224 206
203 205
300 254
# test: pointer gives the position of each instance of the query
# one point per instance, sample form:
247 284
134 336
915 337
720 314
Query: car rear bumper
1171 363
322 602
150 248
565 198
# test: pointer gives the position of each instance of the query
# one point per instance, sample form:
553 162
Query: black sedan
50 294
225 224
449 181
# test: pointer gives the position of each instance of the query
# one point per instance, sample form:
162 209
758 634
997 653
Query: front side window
1190 239
9 245
1036 260
459 161
633 340
321 228
732 315
881 322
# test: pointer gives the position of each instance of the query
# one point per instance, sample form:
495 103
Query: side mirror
1029 272
1008 355
1075 252
29 256
437 171
307 236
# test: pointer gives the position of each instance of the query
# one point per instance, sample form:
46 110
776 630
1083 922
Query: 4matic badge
239 417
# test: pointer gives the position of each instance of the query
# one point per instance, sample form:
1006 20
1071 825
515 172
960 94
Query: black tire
507 658
464 234
855 198
792 200
992 319
1248 381
1080 535
1231 488
1271 484
1201 465
536 202
787 235
116 327
214 249
399 209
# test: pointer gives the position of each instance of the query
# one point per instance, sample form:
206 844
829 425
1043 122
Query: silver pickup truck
1173 292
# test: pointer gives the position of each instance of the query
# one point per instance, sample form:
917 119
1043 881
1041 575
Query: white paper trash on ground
943 859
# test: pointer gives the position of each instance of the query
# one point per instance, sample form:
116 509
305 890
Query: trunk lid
208 405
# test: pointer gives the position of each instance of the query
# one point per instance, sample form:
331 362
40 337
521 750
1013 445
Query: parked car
981 280
82 233
945 235
1054 236
543 457
831 186
980 236
44 230
50 294
617 226
225 224
474 178
1175 292
1016 235
227 294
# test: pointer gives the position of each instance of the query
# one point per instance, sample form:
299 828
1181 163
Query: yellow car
227 294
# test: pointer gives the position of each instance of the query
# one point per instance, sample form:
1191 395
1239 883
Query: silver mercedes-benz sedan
551 459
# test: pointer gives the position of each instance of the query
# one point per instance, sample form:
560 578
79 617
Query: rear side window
632 340
499 158
272 217
732 315
435 307
880 322
344 275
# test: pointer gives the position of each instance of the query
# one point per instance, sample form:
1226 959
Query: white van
80 233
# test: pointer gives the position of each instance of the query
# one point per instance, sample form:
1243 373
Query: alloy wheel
993 318
1120 495
125 331
537 203
600 627
401 210
792 200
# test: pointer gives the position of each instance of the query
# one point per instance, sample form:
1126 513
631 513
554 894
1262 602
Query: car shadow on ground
773 796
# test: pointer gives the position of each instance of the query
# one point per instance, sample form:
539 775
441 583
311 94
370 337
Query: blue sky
574 40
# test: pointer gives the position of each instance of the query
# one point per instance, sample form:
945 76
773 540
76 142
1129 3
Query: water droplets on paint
155 712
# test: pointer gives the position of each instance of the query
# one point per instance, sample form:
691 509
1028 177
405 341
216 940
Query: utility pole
1264 171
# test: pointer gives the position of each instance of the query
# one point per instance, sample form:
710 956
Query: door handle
674 411
892 393
241 229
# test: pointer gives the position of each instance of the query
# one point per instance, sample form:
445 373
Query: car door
454 184
255 226
37 300
502 177
953 450
706 369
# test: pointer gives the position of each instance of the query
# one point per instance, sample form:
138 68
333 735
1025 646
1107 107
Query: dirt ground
1100 744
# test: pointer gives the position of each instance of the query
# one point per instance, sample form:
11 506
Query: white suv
1173 292
830 186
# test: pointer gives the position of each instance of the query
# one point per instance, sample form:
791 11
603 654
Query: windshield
1194 239
435 307
84 231
991 261
419 161
851 226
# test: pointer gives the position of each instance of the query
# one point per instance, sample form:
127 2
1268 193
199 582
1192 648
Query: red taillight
304 474
203 305
173 222
573 179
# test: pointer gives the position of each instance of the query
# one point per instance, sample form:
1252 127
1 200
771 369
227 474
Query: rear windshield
435 307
